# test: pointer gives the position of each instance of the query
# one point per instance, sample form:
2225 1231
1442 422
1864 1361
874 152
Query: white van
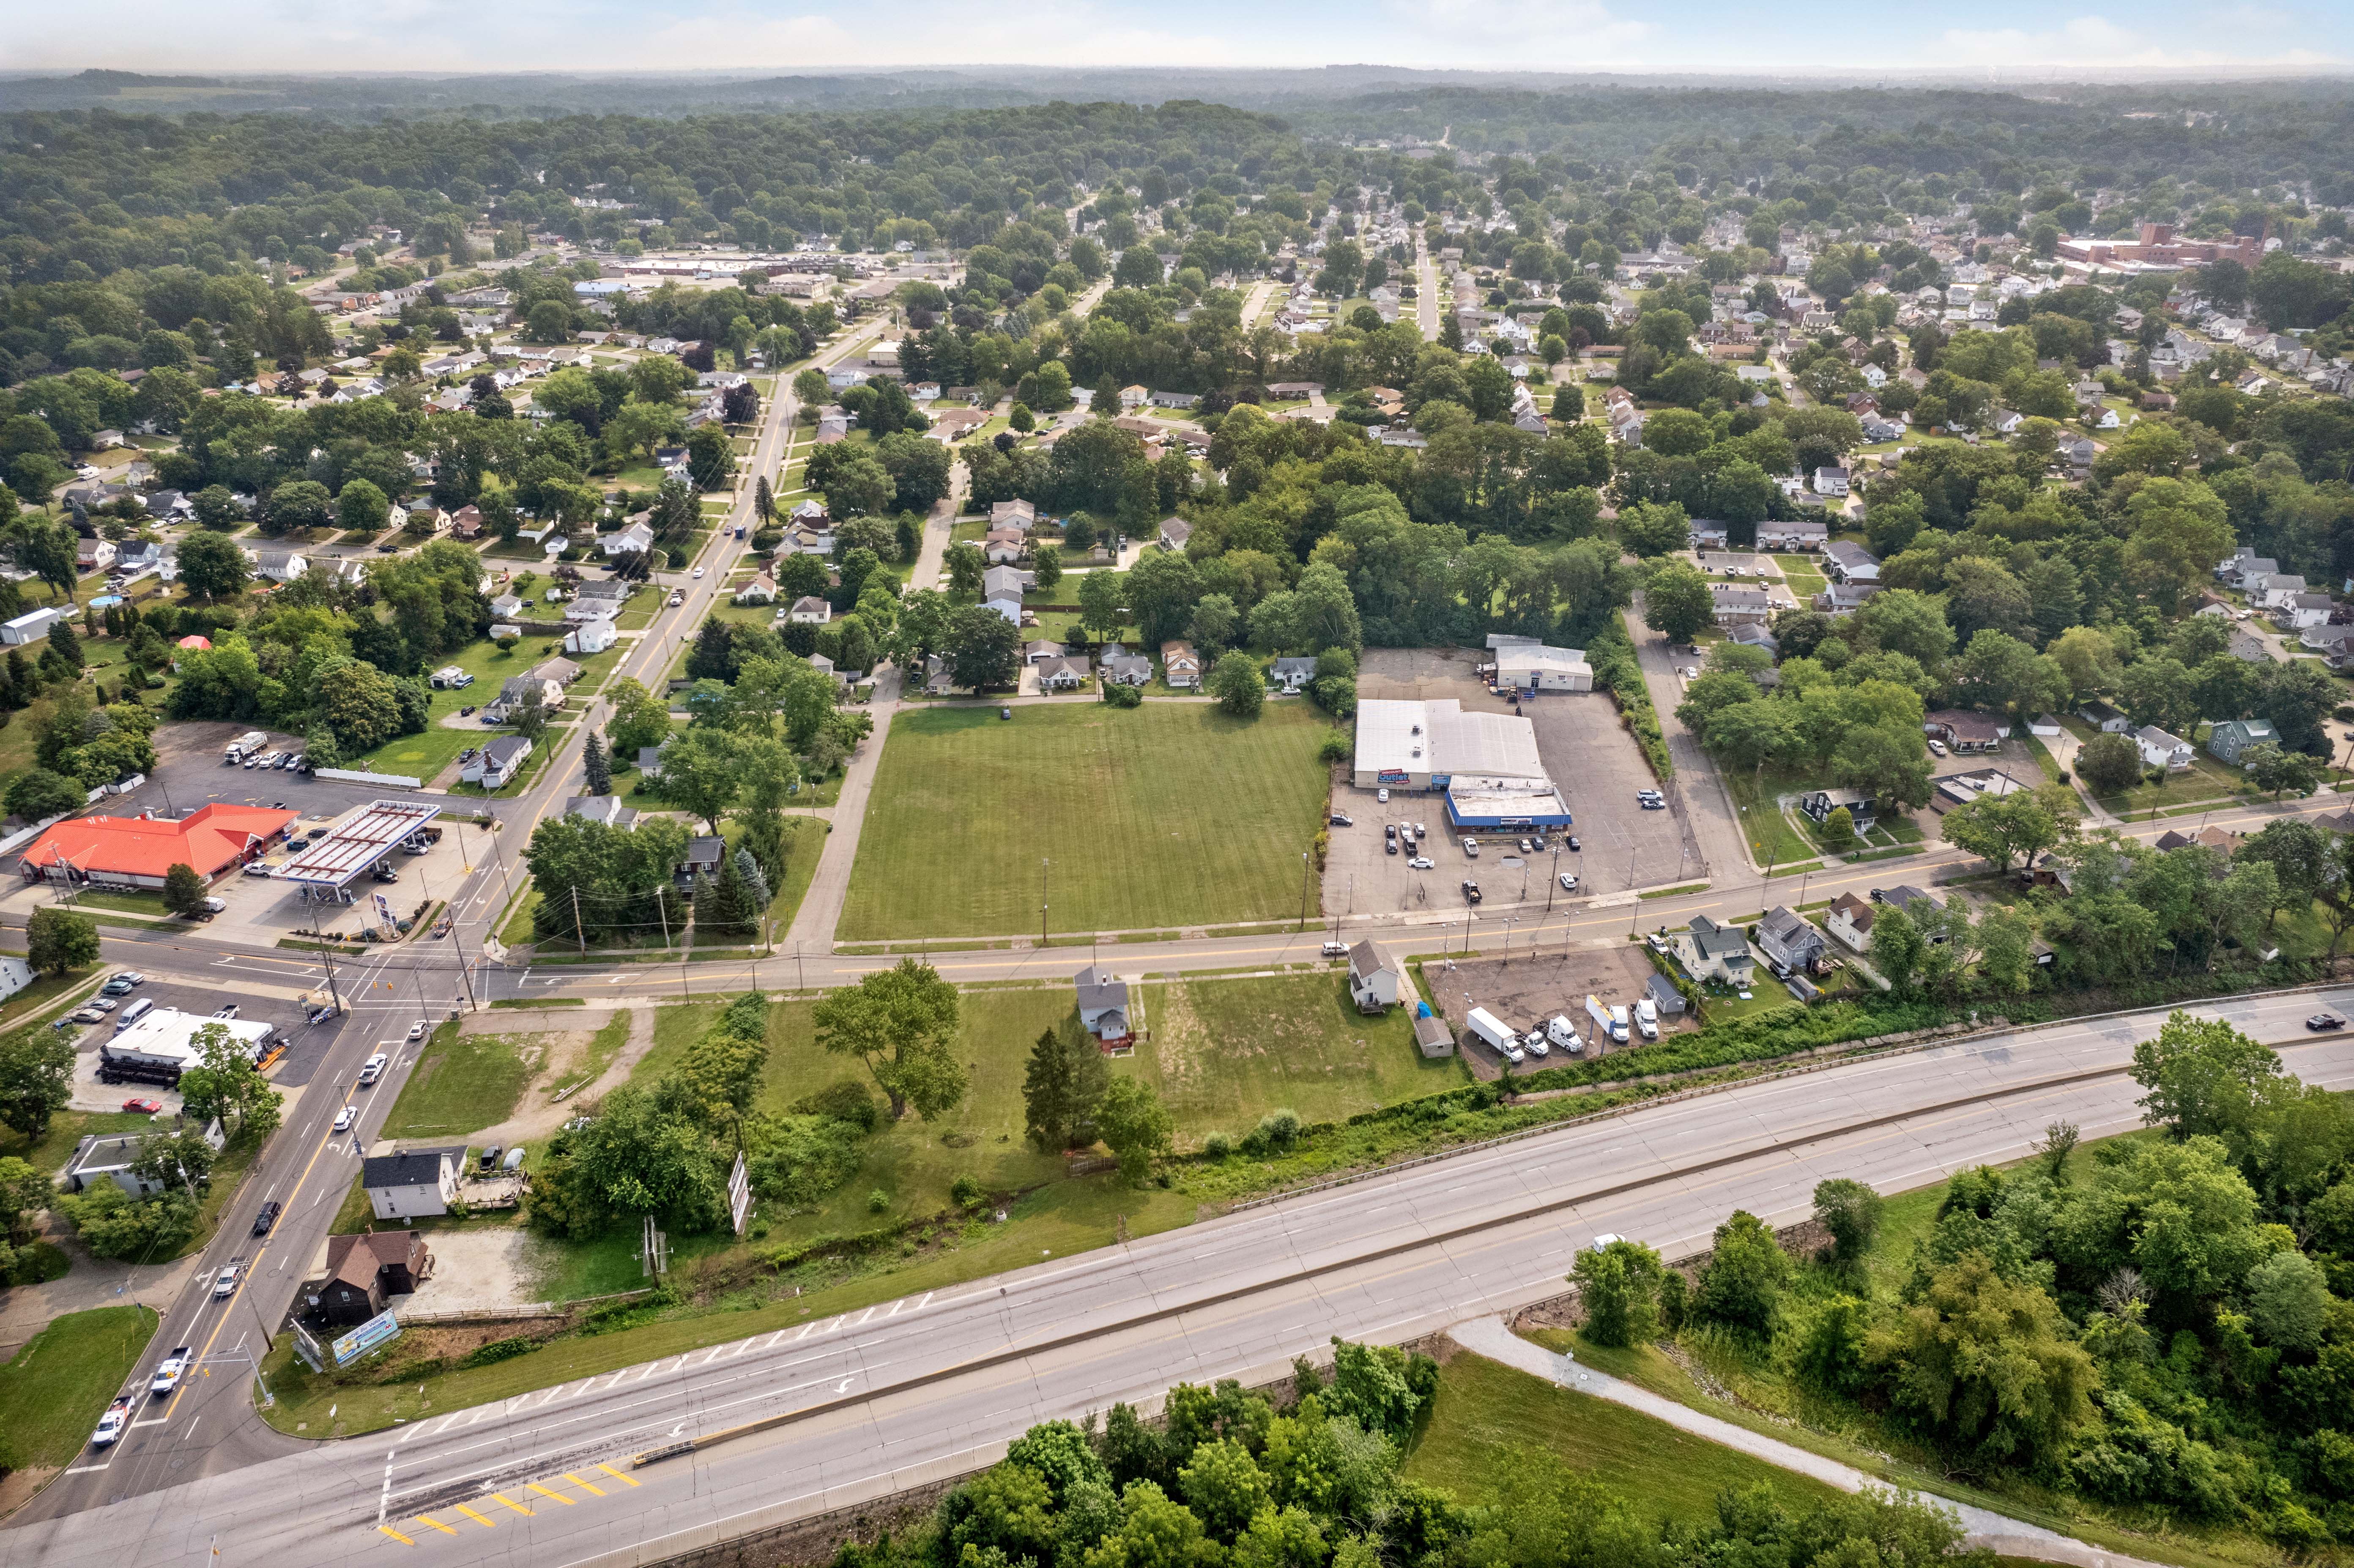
134 1013
373 1068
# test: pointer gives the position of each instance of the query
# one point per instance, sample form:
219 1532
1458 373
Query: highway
911 1390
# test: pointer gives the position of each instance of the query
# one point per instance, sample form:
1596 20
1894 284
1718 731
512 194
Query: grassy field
1489 1413
461 1083
1174 814
49 1152
54 1390
1223 1052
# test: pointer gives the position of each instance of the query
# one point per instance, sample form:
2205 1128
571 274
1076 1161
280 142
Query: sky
2010 40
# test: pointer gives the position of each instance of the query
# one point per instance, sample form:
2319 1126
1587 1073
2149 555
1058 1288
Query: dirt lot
1530 987
478 1269
1586 752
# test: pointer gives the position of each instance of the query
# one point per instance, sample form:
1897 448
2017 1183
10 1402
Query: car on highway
417 1030
1336 949
2324 1020
373 1068
169 1370
1470 890
677 597
145 1106
111 1424
263 1221
345 1116
224 1282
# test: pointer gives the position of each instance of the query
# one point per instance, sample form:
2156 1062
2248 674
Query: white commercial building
1486 763
1534 667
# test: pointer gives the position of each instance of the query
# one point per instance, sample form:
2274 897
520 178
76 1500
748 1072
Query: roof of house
1711 940
1365 962
2253 730
1858 911
1962 725
704 850
355 1259
1663 994
1785 925
1904 896
207 838
1099 988
506 748
810 604
2150 735
410 1168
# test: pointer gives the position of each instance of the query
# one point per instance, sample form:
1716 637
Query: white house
762 590
1709 951
1849 919
810 610
589 637
30 626
2159 749
1374 983
635 539
497 763
422 1182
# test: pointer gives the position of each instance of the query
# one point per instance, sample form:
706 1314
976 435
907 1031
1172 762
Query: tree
640 719
2001 828
2200 1075
1676 602
1896 947
1838 830
1046 562
699 773
112 1223
361 507
903 1024
596 769
1850 1210
37 1067
216 510
2280 771
184 890
1236 681
223 1083
1099 603
1136 1125
37 794
211 566
2109 764
1618 1286
56 940
1062 1087
297 506
983 647
1740 1284
1650 529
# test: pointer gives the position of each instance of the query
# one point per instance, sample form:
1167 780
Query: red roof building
138 852
198 643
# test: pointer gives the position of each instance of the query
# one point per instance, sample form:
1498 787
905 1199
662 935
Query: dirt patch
1525 991
1179 1040
479 1268
18 1488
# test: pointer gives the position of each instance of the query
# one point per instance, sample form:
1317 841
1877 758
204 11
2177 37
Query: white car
699 571
1937 748
1383 796
111 1424
224 1282
169 1370
1568 882
345 1116
417 1030
1419 863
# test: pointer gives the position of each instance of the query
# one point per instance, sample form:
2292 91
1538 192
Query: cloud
2096 42
1517 33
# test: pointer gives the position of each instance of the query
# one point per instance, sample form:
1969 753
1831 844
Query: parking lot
256 1002
1532 987
1586 752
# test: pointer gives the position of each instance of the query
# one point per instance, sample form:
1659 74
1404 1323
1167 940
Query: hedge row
1612 654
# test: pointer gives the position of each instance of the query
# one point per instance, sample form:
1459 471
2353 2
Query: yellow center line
543 1491
487 1523
592 1492
404 1541
502 1497
428 1518
617 1475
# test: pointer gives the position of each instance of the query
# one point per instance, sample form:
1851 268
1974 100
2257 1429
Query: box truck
1618 1022
1488 1027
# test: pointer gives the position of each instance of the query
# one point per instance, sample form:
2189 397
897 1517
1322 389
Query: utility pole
327 957
1303 892
1556 879
1043 863
578 936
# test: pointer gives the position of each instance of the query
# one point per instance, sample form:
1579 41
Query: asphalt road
934 1385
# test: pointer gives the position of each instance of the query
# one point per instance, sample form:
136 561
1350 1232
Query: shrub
846 1099
497 1350
1124 696
966 1192
1217 1145
877 1200
1276 1132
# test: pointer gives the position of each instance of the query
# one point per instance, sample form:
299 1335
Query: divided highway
933 1385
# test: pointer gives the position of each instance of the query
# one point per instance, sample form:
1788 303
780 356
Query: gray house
1711 951
1787 938
1103 1004
2230 741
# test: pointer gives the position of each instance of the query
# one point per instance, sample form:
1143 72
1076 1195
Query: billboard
1392 776
378 1329
384 912
740 1194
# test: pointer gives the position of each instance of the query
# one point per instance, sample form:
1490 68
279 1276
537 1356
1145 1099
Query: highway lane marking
543 1491
485 1522
87 1469
155 1421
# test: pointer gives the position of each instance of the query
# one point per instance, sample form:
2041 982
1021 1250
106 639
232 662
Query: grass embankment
461 1083
1188 818
1488 1414
53 1391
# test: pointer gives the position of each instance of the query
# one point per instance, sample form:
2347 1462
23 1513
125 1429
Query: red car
147 1106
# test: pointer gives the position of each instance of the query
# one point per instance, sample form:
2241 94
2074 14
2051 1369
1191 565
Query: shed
1665 997
1431 1034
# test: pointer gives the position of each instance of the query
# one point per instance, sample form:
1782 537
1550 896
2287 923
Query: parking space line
617 1475
429 1519
485 1522
543 1491
502 1497
403 1540
592 1490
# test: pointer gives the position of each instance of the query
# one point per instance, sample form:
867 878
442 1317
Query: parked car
1389 844
1472 848
1342 820
1937 748
1527 848
1568 882
263 1221
1470 890
1420 862
490 1158
212 905
91 1015
143 1105
1574 847
104 1003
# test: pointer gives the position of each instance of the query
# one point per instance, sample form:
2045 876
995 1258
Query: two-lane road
938 1383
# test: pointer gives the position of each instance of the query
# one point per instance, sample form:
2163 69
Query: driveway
820 908
1697 793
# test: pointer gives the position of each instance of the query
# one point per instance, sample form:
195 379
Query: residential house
762 590
1709 951
1135 396
497 764
600 600
416 1185
605 809
466 524
109 1156
2159 749
2309 608
1041 650
1003 547
1103 1005
1862 807
703 854
1788 940
1848 562
637 539
1915 901
1830 481
1019 514
1374 981
590 636
279 565
1707 533
2105 718
2277 592
1290 675
2230 741
650 760
1968 733
810 610
1006 582
1849 919
1063 674
1844 599
1180 665
1174 532
363 1270
1126 669
1738 604
1798 534
1755 637
2246 565
2333 642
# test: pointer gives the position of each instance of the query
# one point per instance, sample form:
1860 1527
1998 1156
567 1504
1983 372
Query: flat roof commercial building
1534 667
1486 763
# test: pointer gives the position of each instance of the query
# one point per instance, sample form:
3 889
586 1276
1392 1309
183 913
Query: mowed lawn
1223 1052
55 1389
1171 814
462 1083
1488 1416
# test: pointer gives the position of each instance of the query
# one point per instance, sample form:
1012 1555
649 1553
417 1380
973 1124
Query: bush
497 1350
1123 696
1612 655
966 1192
844 1100
1335 748
877 1200
1276 1132
1217 1145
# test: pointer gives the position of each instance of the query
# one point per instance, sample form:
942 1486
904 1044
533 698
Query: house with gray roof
1103 1005
1709 951
1787 938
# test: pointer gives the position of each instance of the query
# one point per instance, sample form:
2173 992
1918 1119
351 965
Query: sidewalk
2011 1537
